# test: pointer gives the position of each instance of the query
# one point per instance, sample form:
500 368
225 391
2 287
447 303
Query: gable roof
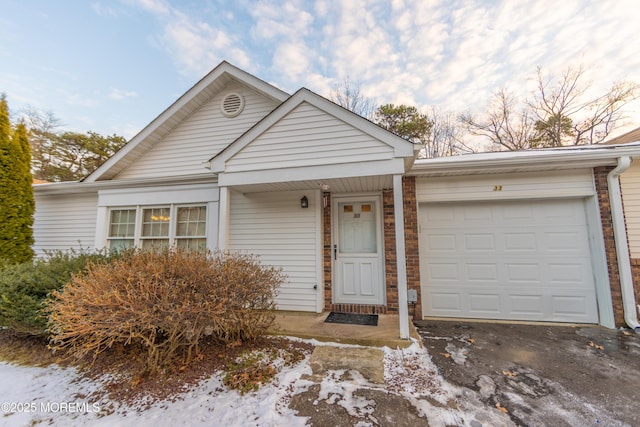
632 136
193 99
400 147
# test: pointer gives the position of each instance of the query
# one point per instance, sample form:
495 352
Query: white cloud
194 44
119 94
291 59
161 7
105 10
453 54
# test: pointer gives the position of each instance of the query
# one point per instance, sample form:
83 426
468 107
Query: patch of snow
409 373
458 355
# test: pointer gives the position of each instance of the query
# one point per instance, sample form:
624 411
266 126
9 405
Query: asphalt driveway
541 375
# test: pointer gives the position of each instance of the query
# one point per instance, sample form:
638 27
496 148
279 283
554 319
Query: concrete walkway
312 326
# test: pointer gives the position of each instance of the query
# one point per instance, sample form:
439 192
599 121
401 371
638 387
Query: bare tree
556 115
564 115
43 128
504 126
348 95
445 137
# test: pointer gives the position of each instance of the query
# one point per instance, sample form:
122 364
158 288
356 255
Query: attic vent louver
232 104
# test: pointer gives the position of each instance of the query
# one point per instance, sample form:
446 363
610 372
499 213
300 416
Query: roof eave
522 161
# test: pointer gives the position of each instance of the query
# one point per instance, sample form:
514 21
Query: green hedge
24 287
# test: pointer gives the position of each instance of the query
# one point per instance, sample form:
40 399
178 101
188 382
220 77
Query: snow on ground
58 396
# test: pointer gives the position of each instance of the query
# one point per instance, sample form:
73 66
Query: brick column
327 251
390 260
600 175
411 240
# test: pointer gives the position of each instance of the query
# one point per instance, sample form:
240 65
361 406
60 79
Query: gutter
622 246
509 161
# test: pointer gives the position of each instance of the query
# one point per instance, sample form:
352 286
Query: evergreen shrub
24 287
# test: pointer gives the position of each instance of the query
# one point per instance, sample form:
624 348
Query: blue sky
113 66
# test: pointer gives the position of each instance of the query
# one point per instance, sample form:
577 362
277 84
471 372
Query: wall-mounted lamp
304 202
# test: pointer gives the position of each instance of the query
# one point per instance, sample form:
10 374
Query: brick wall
327 252
600 174
635 272
411 240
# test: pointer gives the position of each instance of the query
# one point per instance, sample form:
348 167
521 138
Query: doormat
352 319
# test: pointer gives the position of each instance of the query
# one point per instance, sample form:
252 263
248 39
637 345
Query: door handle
335 252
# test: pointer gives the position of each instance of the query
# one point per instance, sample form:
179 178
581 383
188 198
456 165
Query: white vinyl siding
308 136
630 184
186 149
570 183
275 227
63 222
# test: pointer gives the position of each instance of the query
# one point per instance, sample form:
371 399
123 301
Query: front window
122 229
158 227
155 228
192 228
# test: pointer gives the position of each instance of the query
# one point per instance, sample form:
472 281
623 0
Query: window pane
155 222
119 244
192 221
122 223
155 243
192 244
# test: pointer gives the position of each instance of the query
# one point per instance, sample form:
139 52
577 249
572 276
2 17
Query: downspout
622 246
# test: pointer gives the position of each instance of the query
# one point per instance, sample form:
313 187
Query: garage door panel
530 306
445 303
520 272
442 272
571 306
525 260
567 274
483 304
478 214
558 241
442 213
519 241
479 242
482 272
442 242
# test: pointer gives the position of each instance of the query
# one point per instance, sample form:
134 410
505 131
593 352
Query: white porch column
223 218
401 259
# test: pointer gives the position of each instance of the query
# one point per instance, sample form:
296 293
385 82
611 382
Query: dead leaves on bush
257 367
165 302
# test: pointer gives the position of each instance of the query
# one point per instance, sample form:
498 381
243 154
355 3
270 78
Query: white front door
357 250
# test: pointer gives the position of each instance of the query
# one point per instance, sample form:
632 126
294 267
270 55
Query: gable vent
232 104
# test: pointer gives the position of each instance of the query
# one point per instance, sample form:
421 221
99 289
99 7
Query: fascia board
320 172
567 159
69 187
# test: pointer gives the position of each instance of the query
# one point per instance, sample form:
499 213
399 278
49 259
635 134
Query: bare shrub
165 302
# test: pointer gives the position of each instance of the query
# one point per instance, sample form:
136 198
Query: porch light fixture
304 202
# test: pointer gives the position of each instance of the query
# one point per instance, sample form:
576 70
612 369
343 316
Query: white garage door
525 260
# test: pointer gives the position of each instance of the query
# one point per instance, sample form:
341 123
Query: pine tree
16 193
